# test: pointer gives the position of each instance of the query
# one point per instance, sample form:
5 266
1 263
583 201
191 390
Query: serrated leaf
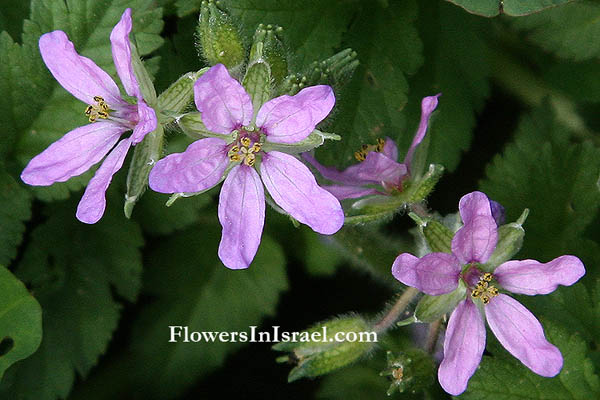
505 378
15 211
388 48
311 28
450 55
556 179
20 321
570 31
71 268
491 8
194 289
41 109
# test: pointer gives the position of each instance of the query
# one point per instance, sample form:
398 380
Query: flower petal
390 149
463 347
472 205
121 52
519 331
223 102
476 241
433 274
428 105
349 192
77 74
73 154
289 119
92 204
146 124
200 167
242 216
294 188
532 277
376 168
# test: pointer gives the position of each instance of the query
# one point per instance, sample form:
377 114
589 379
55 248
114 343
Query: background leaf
15 211
491 8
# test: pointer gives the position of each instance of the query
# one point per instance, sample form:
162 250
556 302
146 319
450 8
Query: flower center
245 151
100 109
361 154
483 290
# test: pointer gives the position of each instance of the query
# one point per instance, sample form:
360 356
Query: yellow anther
100 109
365 149
245 141
250 159
487 277
483 290
255 148
235 157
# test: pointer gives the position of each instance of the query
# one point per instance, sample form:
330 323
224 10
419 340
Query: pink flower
515 327
109 114
378 164
227 110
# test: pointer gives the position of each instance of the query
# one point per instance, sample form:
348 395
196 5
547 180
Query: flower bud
335 71
219 41
510 240
268 46
321 353
145 155
411 371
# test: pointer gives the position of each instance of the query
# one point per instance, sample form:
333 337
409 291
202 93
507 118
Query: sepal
143 77
431 308
510 240
145 155
178 96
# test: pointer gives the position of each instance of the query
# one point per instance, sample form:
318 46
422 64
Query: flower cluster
515 327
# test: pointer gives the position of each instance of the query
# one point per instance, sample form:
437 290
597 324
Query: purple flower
227 110
109 114
378 165
515 327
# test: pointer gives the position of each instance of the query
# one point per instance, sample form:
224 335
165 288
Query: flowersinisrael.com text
183 334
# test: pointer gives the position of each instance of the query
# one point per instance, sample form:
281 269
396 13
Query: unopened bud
322 352
268 47
219 41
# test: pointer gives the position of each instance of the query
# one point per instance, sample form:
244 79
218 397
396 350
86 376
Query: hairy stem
394 313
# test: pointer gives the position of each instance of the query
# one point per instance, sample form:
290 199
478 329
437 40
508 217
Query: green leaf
11 18
312 28
194 289
20 321
504 377
72 268
450 55
42 110
491 8
570 31
557 180
15 211
388 49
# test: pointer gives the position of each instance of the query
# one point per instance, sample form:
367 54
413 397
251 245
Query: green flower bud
334 71
268 47
219 41
431 308
143 78
510 240
317 352
257 83
411 371
145 155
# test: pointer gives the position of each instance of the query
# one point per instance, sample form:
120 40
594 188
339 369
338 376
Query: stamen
245 141
365 149
100 109
483 290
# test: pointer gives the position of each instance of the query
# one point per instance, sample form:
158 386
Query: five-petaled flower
377 164
516 328
110 116
227 110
